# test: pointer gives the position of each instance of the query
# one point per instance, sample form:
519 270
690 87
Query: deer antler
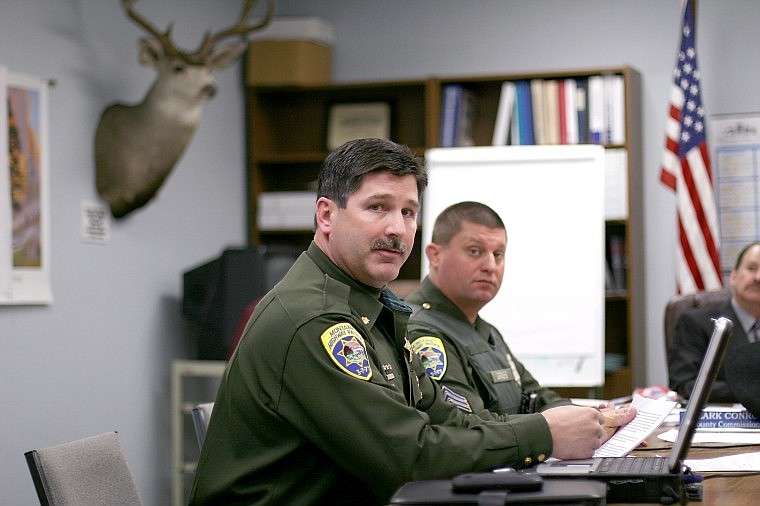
237 29
163 37
209 41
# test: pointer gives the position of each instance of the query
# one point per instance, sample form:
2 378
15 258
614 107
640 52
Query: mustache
391 243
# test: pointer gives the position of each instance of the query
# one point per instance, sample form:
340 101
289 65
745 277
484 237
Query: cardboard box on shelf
291 50
288 62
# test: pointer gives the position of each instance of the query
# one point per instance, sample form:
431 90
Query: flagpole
686 170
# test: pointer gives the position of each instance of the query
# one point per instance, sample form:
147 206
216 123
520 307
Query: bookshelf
287 142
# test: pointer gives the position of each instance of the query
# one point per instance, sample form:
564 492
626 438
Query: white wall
98 358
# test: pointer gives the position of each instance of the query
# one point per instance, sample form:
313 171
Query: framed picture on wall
25 217
358 120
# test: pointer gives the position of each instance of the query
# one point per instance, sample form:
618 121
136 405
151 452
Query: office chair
679 304
201 416
88 472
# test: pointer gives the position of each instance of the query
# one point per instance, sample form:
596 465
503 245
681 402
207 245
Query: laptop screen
707 372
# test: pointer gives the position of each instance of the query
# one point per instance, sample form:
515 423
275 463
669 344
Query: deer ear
224 56
151 51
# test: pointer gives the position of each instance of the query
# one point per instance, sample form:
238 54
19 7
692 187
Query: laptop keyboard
633 465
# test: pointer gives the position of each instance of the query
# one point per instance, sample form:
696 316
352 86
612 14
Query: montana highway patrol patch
346 348
432 355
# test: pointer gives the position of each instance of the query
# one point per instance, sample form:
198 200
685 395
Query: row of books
585 110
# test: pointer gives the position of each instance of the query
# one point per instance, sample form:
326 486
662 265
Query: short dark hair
343 169
449 222
743 251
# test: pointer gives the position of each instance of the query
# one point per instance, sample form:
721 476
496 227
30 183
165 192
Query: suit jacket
692 335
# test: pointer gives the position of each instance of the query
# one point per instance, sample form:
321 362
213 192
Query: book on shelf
581 103
524 114
617 262
609 283
605 106
466 116
562 105
504 114
551 111
726 419
458 110
614 110
537 103
570 100
596 122
452 97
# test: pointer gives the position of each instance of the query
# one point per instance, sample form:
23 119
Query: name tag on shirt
501 375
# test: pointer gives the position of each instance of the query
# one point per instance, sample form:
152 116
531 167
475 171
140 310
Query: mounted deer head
136 146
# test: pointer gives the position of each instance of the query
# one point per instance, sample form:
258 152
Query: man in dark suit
694 328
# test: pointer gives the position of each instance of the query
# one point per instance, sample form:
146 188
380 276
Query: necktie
754 332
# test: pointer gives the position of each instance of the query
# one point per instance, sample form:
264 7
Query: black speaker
216 293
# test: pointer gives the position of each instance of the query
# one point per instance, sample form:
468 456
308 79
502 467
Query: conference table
732 489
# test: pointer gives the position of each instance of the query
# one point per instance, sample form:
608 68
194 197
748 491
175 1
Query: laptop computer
652 479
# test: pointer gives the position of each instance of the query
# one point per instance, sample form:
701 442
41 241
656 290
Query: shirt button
541 457
528 461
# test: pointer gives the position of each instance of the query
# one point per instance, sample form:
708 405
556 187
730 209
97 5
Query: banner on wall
24 205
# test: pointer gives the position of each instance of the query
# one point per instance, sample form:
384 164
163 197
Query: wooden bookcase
287 142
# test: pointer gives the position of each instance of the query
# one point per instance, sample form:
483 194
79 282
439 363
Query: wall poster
24 213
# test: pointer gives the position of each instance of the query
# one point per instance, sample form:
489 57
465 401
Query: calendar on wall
735 141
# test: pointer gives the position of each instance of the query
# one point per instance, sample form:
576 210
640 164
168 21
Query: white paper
745 436
651 414
743 463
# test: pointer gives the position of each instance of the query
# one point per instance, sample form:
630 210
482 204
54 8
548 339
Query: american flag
686 171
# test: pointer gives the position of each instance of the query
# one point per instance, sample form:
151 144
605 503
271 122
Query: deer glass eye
178 69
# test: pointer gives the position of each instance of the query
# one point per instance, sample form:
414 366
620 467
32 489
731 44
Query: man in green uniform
321 402
465 354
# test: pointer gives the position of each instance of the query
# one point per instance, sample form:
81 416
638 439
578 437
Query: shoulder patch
432 354
346 348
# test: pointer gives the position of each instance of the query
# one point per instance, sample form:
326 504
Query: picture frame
349 121
25 220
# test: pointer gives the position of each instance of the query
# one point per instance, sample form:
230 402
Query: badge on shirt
432 355
347 349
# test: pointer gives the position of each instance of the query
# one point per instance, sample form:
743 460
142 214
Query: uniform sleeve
452 374
365 424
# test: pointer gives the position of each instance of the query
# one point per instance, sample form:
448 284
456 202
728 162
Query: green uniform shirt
456 374
319 404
